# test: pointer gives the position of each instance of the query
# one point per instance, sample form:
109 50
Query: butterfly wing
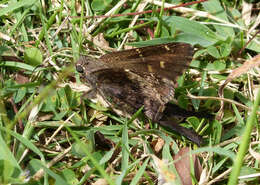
166 60
128 91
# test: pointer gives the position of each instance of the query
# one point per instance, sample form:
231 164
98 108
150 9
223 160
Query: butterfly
143 77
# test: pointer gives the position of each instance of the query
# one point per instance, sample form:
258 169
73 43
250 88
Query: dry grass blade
196 13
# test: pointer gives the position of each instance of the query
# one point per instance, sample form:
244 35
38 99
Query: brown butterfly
130 79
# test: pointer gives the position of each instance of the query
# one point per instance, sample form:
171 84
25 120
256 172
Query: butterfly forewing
166 60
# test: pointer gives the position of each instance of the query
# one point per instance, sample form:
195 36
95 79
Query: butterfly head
87 65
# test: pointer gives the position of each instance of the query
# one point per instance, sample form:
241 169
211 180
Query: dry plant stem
23 155
218 178
249 176
140 7
195 13
96 23
7 37
39 174
49 59
57 130
145 12
64 23
224 143
221 99
246 12
253 153
249 64
256 23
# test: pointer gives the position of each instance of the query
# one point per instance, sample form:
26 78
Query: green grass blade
92 159
58 179
6 154
243 147
17 65
26 142
125 148
140 172
15 5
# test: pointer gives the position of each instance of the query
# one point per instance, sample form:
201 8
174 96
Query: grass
49 129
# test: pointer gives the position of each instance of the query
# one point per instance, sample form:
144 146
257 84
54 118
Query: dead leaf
20 78
254 62
183 166
44 117
158 144
101 42
103 143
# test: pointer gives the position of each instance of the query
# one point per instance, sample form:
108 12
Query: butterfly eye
79 68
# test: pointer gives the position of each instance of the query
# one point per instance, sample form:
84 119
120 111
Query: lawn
61 123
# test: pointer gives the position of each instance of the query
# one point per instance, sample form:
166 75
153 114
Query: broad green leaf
64 104
33 56
193 28
7 158
69 176
214 8
50 103
229 94
78 149
20 94
58 179
99 5
15 5
219 65
183 101
254 45
225 49
193 121
213 51
210 92
106 157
